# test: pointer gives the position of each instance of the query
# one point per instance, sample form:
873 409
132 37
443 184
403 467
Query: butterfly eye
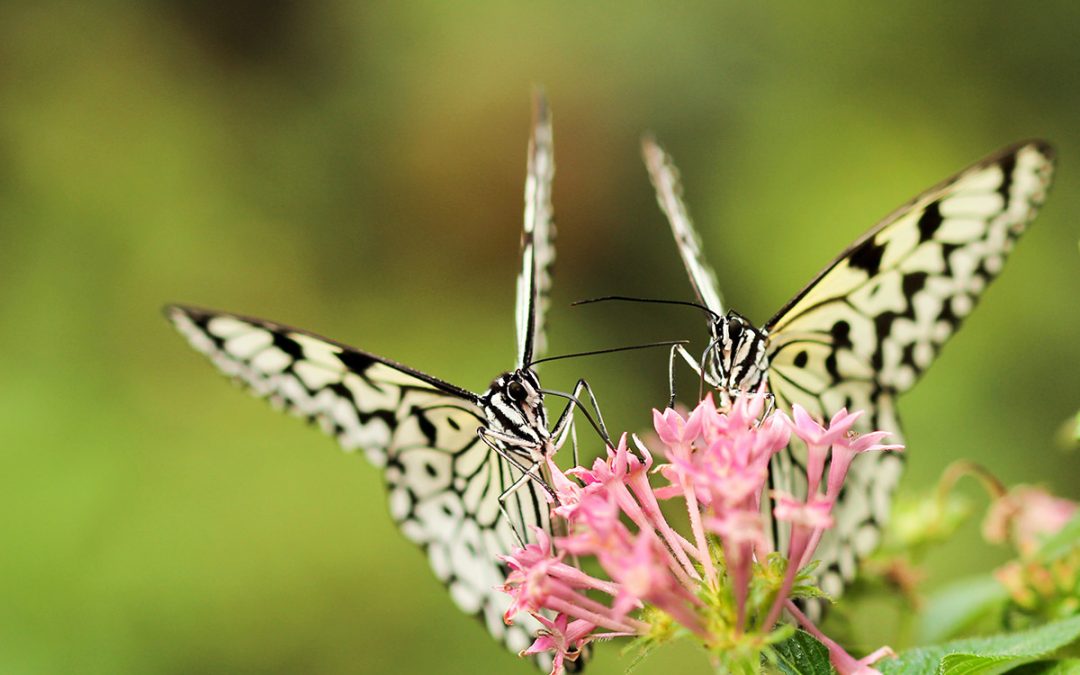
516 392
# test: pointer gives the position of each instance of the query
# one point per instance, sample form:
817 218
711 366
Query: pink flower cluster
718 465
1025 516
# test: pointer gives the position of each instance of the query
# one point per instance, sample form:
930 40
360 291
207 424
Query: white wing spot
245 345
316 376
226 326
320 352
271 360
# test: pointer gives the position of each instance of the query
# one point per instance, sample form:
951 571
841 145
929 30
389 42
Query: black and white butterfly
870 323
463 470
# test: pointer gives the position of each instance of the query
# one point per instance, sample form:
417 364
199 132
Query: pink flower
746 409
806 520
742 533
1027 515
811 515
819 439
673 429
644 575
843 453
717 465
739 529
563 638
845 663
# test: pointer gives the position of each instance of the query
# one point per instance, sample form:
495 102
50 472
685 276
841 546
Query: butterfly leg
681 351
567 414
500 444
573 440
690 361
770 404
511 489
671 374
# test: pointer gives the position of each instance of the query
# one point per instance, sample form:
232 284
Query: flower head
652 576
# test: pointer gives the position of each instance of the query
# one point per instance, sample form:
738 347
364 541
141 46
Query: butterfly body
737 358
514 409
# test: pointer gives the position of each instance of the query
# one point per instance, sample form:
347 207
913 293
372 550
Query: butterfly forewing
538 239
883 309
443 481
665 178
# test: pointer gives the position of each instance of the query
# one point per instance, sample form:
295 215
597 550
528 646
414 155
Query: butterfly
464 471
870 323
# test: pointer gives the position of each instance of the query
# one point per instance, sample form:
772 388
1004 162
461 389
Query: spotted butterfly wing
444 482
874 319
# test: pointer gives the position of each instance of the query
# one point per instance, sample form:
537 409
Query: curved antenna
612 350
658 301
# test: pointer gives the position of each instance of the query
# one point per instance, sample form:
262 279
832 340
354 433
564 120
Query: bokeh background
357 169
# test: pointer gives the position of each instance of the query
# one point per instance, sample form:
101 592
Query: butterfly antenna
612 350
658 301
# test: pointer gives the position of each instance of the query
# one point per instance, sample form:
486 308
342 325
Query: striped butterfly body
463 470
869 324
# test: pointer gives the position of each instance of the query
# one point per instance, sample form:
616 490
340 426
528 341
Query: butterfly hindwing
443 482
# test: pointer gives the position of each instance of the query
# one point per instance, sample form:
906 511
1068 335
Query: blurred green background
357 169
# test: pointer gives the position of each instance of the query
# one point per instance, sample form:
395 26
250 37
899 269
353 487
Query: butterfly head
737 354
514 405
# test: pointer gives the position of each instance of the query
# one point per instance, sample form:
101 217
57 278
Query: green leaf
1063 667
987 655
1062 542
958 605
801 654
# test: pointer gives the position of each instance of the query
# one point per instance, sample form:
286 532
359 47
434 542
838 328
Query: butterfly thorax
737 359
514 407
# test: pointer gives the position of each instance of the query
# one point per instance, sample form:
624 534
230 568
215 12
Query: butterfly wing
665 179
443 481
537 239
874 320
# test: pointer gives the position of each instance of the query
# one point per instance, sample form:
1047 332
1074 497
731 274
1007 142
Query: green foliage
801 654
1062 667
960 604
924 519
986 655
1066 540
